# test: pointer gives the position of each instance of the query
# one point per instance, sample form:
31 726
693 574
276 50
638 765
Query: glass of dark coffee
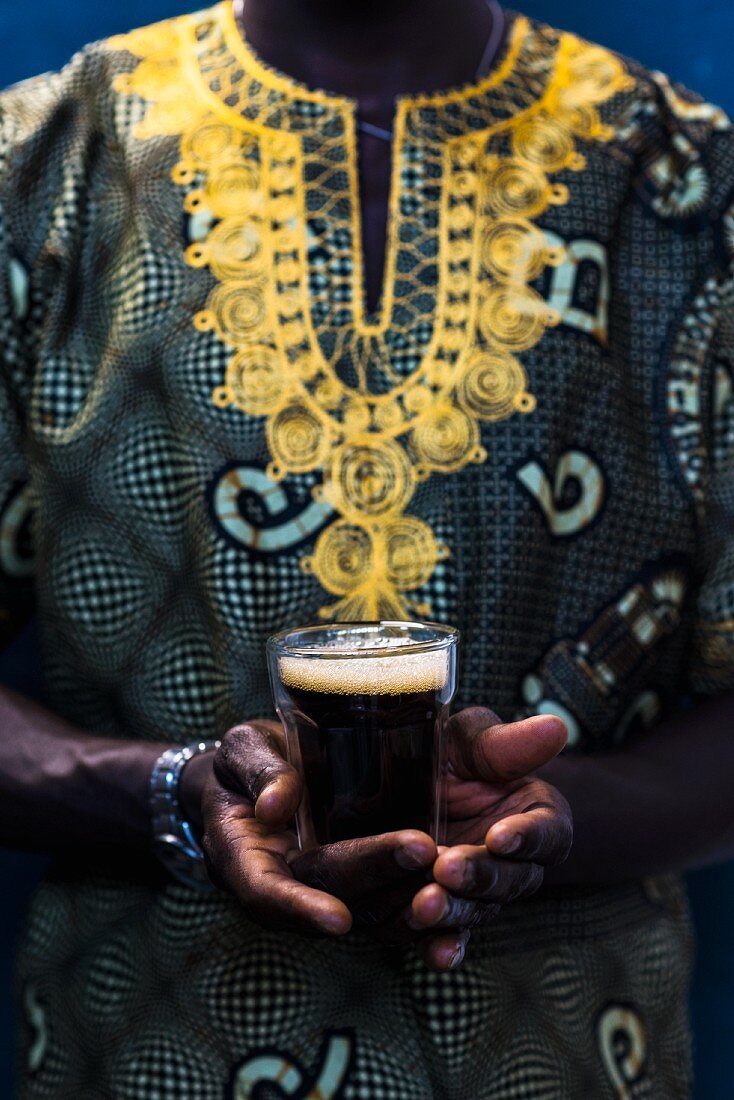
364 706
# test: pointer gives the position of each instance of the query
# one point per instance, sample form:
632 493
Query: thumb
251 762
483 747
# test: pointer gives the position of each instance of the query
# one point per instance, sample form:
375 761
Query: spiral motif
623 1046
329 393
514 250
517 189
289 305
544 141
255 380
283 177
460 216
373 447
688 194
439 373
411 553
513 316
453 339
209 141
417 399
343 559
465 184
371 479
492 385
283 208
593 74
388 416
234 250
356 416
307 366
444 437
238 311
583 120
232 190
298 440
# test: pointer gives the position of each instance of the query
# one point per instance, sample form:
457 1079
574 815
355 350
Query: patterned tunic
210 438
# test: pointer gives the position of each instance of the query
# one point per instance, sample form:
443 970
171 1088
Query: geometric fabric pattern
205 437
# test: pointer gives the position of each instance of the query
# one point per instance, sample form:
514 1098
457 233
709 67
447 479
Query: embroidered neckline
416 117
376 408
240 47
227 63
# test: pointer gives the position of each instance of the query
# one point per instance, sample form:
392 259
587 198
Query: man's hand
504 824
251 797
248 804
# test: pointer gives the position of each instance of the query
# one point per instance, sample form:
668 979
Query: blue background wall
690 42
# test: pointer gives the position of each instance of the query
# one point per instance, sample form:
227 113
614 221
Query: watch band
174 842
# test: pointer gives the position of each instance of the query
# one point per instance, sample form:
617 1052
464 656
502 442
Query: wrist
191 788
111 778
605 844
174 839
573 776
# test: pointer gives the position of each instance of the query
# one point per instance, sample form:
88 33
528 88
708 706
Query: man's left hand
504 826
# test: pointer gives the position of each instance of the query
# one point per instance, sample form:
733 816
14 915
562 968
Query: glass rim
446 637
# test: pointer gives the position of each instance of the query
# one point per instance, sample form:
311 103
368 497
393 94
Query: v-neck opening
371 322
437 137
370 319
379 417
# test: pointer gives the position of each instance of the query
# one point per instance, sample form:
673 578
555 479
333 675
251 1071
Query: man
272 353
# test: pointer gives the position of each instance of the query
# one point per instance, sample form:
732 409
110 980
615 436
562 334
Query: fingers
483 747
251 762
435 907
471 882
445 951
247 860
353 869
542 834
469 871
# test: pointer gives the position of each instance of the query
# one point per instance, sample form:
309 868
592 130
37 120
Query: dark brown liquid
371 762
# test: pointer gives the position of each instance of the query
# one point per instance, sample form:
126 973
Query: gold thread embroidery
372 443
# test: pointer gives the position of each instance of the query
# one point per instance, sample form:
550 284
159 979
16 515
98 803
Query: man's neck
370 50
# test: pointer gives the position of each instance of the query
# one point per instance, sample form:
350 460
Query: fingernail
461 874
268 803
457 958
335 923
411 857
269 790
507 843
468 874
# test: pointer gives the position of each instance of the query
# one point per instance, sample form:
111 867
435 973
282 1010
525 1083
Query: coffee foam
393 675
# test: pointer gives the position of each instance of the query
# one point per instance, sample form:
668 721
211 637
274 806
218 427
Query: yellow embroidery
377 405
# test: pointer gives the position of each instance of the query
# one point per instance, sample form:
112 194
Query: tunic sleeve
712 660
38 203
16 351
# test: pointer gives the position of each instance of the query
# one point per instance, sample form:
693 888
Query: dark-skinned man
315 310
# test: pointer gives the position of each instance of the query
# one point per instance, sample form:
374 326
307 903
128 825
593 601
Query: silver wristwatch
174 842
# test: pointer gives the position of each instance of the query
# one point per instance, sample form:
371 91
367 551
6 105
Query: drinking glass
364 708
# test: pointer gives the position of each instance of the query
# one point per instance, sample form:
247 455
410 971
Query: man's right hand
248 804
